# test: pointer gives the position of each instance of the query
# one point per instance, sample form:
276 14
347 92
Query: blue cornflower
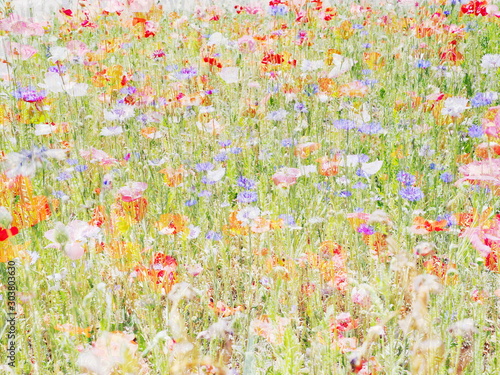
61 195
128 90
63 176
81 168
221 157
344 194
61 69
186 73
202 167
362 173
236 150
246 183
214 236
446 177
288 142
72 161
287 219
359 185
277 10
476 131
300 107
423 64
226 143
482 99
205 193
278 115
411 194
370 128
247 196
344 124
191 202
171 68
406 178
311 89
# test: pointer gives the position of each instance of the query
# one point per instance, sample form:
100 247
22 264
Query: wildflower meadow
291 187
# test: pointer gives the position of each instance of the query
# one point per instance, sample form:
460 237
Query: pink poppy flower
19 26
77 48
485 173
23 51
132 191
71 237
286 177
94 155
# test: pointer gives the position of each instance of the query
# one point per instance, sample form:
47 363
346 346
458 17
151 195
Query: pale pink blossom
23 51
132 191
286 177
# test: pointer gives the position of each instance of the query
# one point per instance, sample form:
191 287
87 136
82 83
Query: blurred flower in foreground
26 162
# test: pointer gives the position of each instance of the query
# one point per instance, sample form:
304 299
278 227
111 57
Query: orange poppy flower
303 150
422 226
221 309
441 268
173 177
135 209
486 150
354 89
172 224
328 166
374 60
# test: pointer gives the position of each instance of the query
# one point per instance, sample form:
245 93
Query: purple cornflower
61 69
226 143
191 202
202 167
344 124
186 73
423 64
359 185
406 178
475 131
278 115
277 10
247 196
366 229
446 177
205 193
344 194
214 236
300 107
411 194
370 128
245 183
63 176
287 219
482 99
29 94
221 157
236 150
128 90
81 168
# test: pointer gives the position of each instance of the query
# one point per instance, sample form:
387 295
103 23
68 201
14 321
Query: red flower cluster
475 7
